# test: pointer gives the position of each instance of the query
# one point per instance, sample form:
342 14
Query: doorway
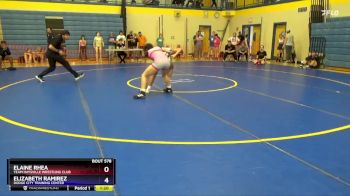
205 30
278 29
253 36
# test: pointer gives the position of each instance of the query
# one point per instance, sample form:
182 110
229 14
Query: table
110 50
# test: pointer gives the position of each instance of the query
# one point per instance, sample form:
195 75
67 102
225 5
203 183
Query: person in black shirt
55 54
131 40
312 61
230 50
121 54
261 56
5 54
49 35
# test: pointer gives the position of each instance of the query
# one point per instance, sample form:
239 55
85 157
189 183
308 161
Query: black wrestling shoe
168 90
40 79
141 95
80 76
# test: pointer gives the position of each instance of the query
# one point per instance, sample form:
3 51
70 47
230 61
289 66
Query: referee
55 54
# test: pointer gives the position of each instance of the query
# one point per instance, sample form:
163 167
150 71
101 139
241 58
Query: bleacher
25 29
337 34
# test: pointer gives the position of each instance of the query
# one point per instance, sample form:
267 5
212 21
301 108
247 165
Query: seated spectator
229 50
122 37
38 55
312 61
260 56
5 54
178 51
121 54
28 56
243 51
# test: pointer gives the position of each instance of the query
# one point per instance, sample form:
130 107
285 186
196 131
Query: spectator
131 40
280 48
122 37
260 56
312 61
234 39
121 54
178 2
188 3
82 48
289 46
230 50
242 48
214 4
199 3
136 40
142 40
98 45
28 56
160 40
211 44
39 55
178 51
112 41
217 43
198 50
5 54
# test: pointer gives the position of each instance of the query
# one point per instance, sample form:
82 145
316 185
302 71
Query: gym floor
228 129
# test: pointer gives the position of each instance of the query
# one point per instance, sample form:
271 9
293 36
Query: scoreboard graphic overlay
97 174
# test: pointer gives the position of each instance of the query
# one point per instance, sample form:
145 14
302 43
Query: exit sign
302 9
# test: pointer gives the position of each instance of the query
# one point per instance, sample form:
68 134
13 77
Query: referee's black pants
53 58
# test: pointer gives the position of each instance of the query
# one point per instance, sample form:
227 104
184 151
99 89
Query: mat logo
330 12
182 81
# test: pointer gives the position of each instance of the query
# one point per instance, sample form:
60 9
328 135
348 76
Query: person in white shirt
121 36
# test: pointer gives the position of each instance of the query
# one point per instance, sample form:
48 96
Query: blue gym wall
28 28
337 34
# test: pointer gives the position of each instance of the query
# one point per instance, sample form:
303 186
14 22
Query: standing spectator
28 56
229 50
289 46
217 43
142 40
198 45
260 56
234 39
49 34
5 54
280 48
131 40
214 4
188 3
112 44
211 44
160 40
82 48
98 45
